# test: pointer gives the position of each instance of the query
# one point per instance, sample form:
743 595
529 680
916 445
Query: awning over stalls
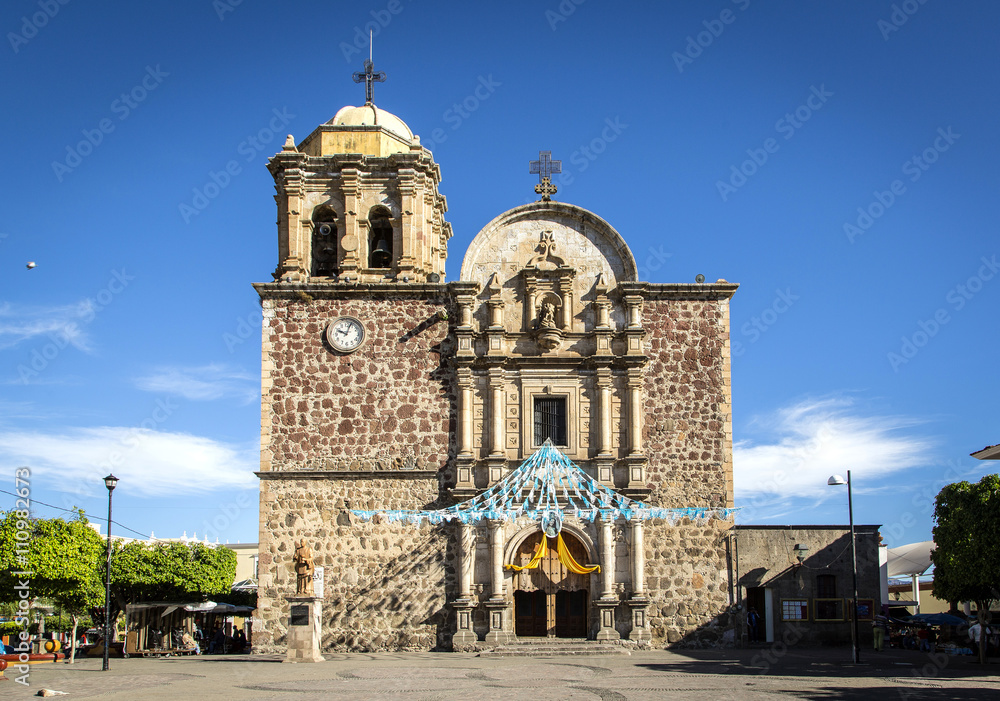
546 488
192 607
909 560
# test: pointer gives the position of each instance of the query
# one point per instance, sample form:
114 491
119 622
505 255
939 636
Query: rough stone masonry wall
387 405
687 436
358 423
385 584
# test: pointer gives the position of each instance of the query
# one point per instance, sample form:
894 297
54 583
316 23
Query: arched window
324 242
379 238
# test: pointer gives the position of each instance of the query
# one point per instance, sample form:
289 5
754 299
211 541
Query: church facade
385 387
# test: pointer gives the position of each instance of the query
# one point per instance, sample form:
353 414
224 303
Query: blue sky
838 160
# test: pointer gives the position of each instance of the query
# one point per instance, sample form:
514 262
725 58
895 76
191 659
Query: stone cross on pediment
545 167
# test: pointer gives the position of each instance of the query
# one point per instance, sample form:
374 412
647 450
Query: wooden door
530 614
549 580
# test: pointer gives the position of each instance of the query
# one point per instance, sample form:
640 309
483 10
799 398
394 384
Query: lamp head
835 480
110 481
800 552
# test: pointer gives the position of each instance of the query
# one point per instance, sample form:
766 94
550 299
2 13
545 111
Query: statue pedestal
304 628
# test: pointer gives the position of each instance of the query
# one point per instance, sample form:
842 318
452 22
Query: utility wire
59 508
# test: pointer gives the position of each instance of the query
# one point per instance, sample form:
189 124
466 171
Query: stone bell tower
358 201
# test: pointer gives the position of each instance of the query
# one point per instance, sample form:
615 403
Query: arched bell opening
380 237
324 242
551 590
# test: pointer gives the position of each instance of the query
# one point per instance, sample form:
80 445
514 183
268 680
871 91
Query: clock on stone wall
345 334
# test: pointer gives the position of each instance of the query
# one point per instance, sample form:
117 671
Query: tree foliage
64 559
170 571
60 560
66 562
967 539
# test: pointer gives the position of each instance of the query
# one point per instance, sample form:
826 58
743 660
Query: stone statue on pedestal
303 568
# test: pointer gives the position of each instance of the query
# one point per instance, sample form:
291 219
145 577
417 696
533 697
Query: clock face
345 334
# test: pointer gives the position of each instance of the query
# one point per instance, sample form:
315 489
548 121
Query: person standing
878 630
753 625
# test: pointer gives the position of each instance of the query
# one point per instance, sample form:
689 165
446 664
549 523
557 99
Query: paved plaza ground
764 673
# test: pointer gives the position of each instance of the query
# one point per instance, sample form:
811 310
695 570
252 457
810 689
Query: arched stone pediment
584 242
543 263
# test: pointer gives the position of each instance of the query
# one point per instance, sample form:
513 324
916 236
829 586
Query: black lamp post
110 481
837 480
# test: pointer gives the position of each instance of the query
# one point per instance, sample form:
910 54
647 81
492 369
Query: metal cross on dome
545 167
370 76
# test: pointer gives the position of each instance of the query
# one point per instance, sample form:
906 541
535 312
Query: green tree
62 561
967 538
169 572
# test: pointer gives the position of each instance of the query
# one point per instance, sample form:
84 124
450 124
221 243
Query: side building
800 581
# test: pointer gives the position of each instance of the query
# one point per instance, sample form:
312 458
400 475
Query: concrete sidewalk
709 675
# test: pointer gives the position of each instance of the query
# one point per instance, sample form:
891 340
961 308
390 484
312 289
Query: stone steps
541 647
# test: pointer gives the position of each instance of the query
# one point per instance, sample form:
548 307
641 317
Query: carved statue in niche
547 316
547 331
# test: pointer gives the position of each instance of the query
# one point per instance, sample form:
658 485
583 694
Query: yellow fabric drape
567 559
540 552
564 557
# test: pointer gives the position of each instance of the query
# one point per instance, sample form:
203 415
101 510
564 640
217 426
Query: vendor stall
162 629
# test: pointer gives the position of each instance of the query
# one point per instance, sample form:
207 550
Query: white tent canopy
193 607
910 560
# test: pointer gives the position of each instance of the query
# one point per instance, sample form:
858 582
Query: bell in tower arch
380 238
324 242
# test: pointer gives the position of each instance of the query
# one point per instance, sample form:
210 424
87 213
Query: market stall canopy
910 560
546 488
192 607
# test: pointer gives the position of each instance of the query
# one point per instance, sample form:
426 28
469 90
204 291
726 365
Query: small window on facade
550 420
379 238
794 609
826 586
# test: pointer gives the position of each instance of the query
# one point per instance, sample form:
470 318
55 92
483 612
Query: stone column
497 432
407 254
635 413
604 459
464 605
607 604
635 459
464 460
607 558
604 389
349 241
496 559
638 559
639 602
465 400
497 605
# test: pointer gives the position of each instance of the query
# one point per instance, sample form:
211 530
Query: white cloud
203 383
149 463
812 440
60 323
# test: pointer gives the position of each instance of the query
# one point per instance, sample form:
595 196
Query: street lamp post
855 638
110 481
